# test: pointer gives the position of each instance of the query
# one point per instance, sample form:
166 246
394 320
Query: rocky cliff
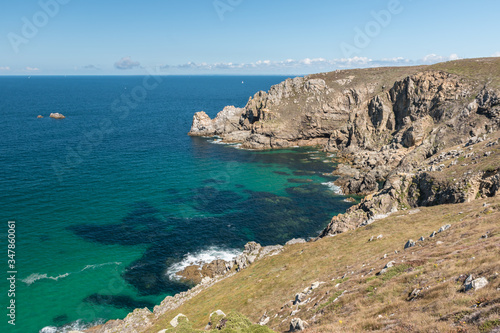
385 123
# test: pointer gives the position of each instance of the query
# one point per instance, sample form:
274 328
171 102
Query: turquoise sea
111 201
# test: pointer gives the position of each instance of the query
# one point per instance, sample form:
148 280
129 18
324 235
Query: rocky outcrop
57 116
217 268
392 137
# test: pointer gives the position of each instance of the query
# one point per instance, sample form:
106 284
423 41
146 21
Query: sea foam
37 276
333 187
201 257
78 325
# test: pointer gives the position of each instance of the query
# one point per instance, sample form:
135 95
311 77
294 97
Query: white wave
101 265
37 276
217 142
78 325
336 189
201 257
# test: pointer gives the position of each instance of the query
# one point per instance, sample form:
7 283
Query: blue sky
75 37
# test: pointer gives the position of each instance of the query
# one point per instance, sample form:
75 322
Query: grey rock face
409 243
297 325
444 228
295 241
475 284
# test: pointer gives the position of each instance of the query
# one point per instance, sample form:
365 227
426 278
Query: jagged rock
297 324
252 247
300 298
414 294
175 322
471 283
432 235
264 320
134 322
202 125
444 228
39 116
362 184
57 116
295 241
386 267
409 243
421 239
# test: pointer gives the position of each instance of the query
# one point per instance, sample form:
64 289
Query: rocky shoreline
383 130
405 138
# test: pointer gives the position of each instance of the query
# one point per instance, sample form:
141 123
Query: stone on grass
297 324
264 320
475 284
444 227
175 322
409 243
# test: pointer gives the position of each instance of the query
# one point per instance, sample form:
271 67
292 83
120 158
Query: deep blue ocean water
112 200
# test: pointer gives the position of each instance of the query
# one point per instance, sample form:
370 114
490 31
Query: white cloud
91 67
126 63
6 68
434 58
309 64
32 69
496 54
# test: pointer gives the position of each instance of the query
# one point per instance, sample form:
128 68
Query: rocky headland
421 144
387 126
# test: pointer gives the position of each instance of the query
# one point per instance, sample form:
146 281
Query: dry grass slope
373 302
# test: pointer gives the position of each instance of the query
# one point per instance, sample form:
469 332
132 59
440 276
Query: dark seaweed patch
60 320
299 180
118 301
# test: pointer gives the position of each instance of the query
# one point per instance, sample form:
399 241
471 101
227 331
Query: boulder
264 320
175 322
297 324
299 298
471 283
444 227
409 243
39 116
